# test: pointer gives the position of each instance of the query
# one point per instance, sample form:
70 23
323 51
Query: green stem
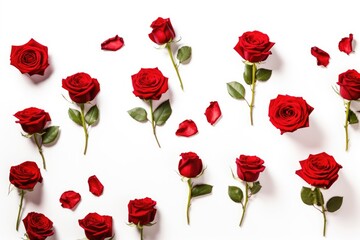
22 193
35 136
253 82
141 229
246 203
188 201
82 107
168 46
153 122
346 125
324 217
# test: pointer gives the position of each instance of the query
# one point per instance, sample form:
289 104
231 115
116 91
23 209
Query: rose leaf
235 193
75 116
334 203
183 54
352 119
307 196
139 114
248 74
50 134
92 116
236 90
255 188
263 74
200 189
162 113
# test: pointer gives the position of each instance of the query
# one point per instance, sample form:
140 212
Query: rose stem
153 122
188 202
253 82
141 229
245 204
22 193
82 106
40 150
346 125
168 46
324 216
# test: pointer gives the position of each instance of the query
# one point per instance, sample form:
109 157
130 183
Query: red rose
289 113
141 211
190 165
38 226
254 46
32 120
349 83
30 58
249 167
96 227
322 57
319 170
149 83
82 87
162 32
69 199
25 175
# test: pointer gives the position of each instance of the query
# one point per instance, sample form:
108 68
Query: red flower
141 211
149 83
187 128
213 112
69 199
163 31
322 57
25 175
249 167
95 186
96 227
38 226
113 44
349 83
32 119
345 45
190 165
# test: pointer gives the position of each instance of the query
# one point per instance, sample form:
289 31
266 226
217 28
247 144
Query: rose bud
190 165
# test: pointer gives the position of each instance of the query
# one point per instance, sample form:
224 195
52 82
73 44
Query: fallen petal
322 57
95 186
187 128
213 112
345 45
113 44
69 199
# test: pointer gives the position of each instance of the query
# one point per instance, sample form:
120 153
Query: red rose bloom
349 83
141 211
213 112
345 45
30 58
249 167
322 57
96 227
69 199
190 165
162 32
32 120
149 83
289 113
187 128
25 175
254 46
319 170
82 87
38 226
95 186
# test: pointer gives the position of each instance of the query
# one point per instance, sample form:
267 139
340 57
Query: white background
123 153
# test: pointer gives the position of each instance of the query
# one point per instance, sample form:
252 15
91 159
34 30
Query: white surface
123 153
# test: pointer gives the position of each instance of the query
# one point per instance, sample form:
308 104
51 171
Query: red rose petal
345 45
322 57
213 112
187 128
69 199
113 44
95 186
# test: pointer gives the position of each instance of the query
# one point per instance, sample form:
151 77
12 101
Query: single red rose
190 165
70 199
345 44
95 186
96 227
288 113
213 112
32 120
349 83
162 32
149 83
113 44
25 175
322 57
30 58
141 211
319 170
249 167
38 226
187 128
254 46
82 87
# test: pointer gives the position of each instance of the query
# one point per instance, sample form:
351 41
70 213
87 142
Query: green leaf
75 116
200 189
307 196
236 90
92 116
162 113
235 194
255 188
50 134
183 54
263 74
139 114
248 74
334 203
319 198
352 117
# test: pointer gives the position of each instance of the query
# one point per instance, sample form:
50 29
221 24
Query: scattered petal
113 44
95 186
213 112
345 45
187 128
69 199
322 57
